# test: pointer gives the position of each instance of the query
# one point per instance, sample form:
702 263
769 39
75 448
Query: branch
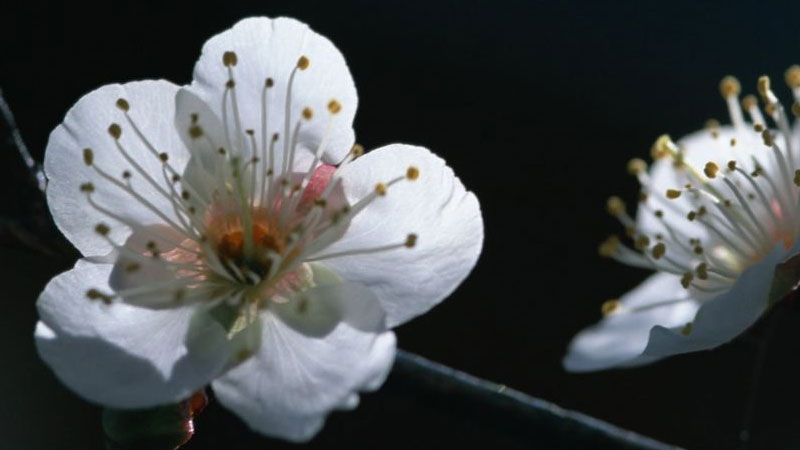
533 420
34 168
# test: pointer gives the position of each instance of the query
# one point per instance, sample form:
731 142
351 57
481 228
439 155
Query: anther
642 242
94 294
412 173
88 156
797 177
163 157
87 187
230 84
729 87
115 130
662 146
102 229
608 248
308 113
711 170
702 271
269 83
334 106
126 174
123 104
793 76
672 194
767 137
687 329
615 206
691 216
303 63
796 109
380 189
731 165
250 132
758 127
132 267
411 240
748 102
733 142
659 250
229 59
764 88
609 307
357 150
686 279
195 131
636 166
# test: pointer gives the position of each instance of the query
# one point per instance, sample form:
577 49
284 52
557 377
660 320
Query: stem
533 420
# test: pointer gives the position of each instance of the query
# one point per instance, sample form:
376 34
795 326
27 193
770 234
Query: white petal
436 207
620 338
723 318
152 106
304 370
268 48
120 355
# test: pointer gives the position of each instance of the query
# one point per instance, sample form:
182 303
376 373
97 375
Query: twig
533 420
34 168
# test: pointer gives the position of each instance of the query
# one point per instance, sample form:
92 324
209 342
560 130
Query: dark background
536 105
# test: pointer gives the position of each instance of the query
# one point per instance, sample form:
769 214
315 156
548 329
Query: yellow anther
307 113
615 206
662 147
115 130
711 170
764 88
380 189
636 166
702 271
758 127
659 250
334 106
123 104
749 101
412 173
672 194
733 142
731 165
793 76
229 59
88 156
303 63
610 307
411 240
102 229
94 294
642 242
357 150
608 248
729 86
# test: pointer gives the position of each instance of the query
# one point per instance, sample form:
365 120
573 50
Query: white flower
717 212
221 244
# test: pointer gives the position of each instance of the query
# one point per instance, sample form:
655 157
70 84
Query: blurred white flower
232 232
718 210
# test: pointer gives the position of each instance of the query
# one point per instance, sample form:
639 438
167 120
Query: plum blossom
718 211
232 233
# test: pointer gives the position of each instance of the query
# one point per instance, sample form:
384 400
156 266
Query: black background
536 105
